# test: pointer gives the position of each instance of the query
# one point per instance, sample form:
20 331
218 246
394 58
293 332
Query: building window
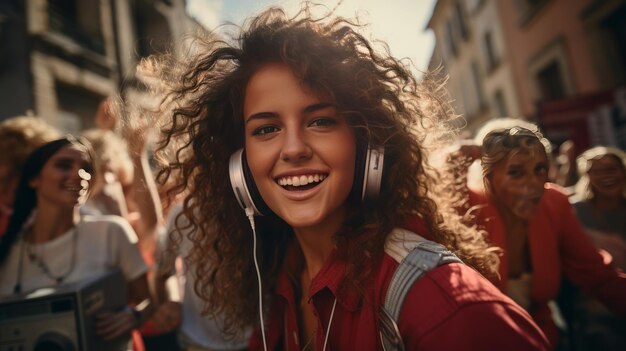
451 42
492 58
550 81
153 33
459 18
528 9
477 80
548 72
77 20
474 6
499 104
615 27
77 106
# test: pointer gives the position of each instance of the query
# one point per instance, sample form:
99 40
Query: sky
400 23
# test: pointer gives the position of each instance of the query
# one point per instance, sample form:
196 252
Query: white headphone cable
330 322
250 215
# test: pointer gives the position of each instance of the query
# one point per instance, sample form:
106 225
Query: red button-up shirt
450 308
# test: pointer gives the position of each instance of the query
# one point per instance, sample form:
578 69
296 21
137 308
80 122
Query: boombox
62 318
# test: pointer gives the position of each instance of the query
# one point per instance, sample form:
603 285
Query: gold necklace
43 266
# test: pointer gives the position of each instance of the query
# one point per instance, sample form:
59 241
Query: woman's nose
536 183
295 147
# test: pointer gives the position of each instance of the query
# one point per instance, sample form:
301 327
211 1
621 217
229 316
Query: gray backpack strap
426 256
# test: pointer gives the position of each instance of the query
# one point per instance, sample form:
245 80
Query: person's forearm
146 195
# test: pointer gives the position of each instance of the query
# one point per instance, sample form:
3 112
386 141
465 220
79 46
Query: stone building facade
60 58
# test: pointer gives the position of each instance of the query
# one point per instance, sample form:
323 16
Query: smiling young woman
322 139
49 243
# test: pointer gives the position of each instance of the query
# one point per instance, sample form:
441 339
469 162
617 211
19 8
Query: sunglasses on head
509 137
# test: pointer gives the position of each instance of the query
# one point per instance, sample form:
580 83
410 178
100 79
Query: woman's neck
317 243
51 222
607 202
510 219
316 247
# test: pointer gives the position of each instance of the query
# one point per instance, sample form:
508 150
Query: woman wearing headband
48 243
534 224
304 154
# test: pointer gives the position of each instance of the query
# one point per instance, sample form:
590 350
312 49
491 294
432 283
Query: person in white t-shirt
179 305
48 243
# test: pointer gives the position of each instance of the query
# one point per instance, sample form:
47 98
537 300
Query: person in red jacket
535 225
304 158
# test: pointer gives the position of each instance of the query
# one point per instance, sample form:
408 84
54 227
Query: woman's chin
300 220
526 211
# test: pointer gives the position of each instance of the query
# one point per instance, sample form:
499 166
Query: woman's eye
264 130
515 173
612 170
64 165
323 122
541 170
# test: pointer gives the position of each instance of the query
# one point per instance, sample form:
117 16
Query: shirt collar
329 277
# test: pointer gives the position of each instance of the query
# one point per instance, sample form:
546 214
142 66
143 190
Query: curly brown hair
381 100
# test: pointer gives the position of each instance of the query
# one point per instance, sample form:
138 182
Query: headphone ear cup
243 185
359 173
373 172
368 171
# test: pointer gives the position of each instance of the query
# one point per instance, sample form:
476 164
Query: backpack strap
424 256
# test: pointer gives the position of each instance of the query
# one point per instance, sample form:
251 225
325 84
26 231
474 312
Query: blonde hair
507 123
110 149
502 144
585 161
19 136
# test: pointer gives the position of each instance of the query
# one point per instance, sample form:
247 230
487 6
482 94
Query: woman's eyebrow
316 107
260 115
307 110
64 159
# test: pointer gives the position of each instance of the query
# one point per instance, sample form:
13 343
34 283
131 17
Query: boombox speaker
62 318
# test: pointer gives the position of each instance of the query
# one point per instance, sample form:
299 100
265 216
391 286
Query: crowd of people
290 200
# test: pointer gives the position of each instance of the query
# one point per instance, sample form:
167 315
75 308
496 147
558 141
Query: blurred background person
49 243
19 136
114 172
125 186
601 192
565 164
600 205
179 305
535 225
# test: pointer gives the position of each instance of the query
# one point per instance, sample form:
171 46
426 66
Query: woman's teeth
301 180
